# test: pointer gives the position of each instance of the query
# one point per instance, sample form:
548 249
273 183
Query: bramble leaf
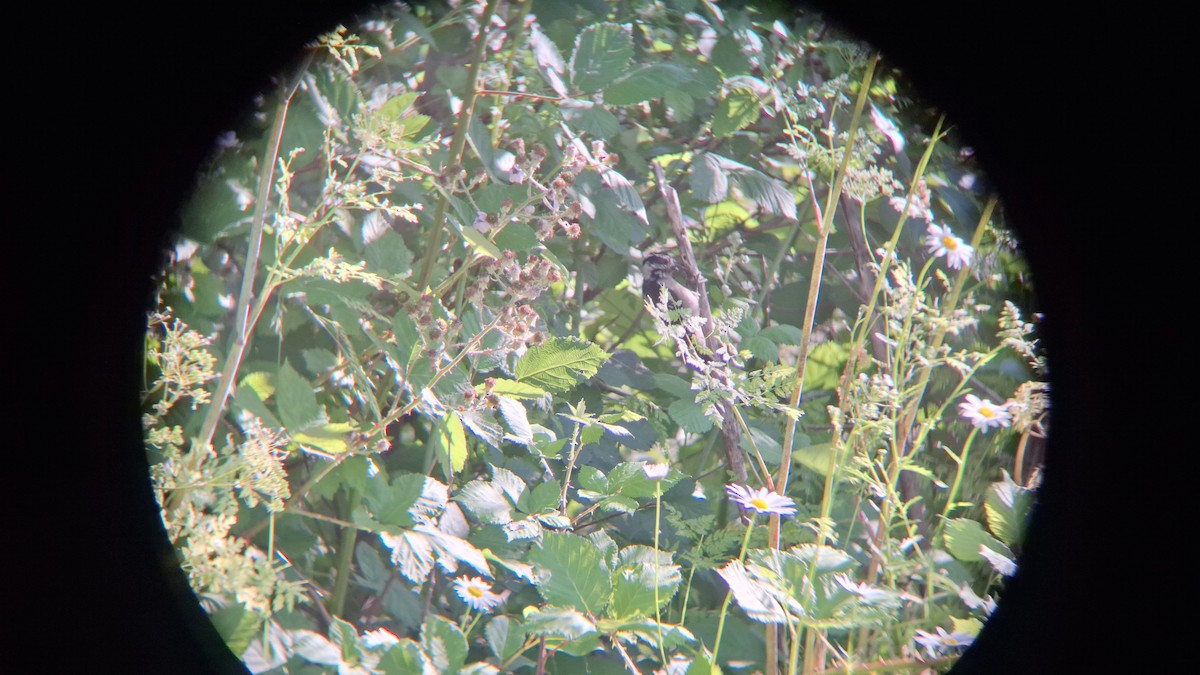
560 363
602 53
576 577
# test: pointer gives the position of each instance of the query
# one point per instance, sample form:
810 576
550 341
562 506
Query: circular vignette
1056 362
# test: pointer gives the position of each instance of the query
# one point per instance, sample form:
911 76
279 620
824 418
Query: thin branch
730 433
459 141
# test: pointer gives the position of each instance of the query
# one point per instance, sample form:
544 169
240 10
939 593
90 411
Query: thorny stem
242 323
459 141
517 94
541 662
517 23
562 502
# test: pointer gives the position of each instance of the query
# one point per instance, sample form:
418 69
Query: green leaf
639 570
826 362
588 118
214 207
612 223
374 574
517 237
482 244
554 521
316 648
351 473
817 457
760 599
450 443
651 82
690 416
711 174
627 196
727 55
649 631
561 621
681 105
761 347
488 501
400 105
708 179
559 364
630 479
391 504
329 437
591 478
735 112
445 643
344 635
602 52
591 434
406 658
769 194
619 504
783 334
388 255
486 430
1007 505
298 408
236 626
543 497
248 399
549 60
505 637
520 391
576 576
674 385
516 419
261 383
964 537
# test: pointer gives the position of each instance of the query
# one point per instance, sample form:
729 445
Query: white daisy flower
984 414
942 641
761 500
382 638
477 593
942 242
656 471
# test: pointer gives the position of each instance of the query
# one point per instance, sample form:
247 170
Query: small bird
659 271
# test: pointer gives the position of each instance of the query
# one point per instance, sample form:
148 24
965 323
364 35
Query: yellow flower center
949 242
987 412
759 503
475 591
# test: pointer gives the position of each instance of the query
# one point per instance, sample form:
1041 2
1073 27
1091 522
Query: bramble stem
458 142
